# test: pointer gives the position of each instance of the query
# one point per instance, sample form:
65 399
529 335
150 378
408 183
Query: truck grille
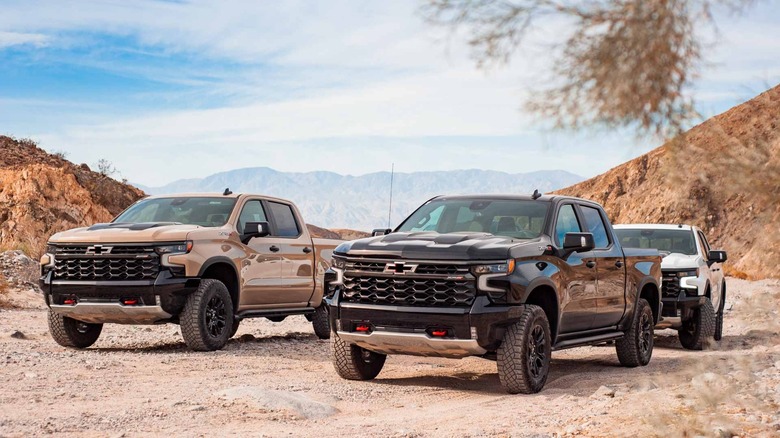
431 284
670 285
119 263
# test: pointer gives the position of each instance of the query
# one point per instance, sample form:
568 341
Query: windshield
206 212
677 241
516 219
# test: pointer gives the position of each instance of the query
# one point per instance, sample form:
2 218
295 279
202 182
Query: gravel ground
276 379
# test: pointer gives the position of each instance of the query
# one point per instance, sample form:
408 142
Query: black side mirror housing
717 256
255 229
381 232
577 242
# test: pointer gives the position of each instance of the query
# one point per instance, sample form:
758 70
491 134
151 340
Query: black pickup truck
507 278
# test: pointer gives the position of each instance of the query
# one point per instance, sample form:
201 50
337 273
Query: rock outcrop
723 176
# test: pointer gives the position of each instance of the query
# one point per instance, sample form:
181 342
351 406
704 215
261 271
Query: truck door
715 275
297 253
261 270
610 269
578 300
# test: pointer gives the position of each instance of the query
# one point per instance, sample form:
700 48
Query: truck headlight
499 268
689 273
178 248
339 263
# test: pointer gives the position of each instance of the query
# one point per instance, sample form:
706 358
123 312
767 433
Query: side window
284 218
252 212
595 225
567 223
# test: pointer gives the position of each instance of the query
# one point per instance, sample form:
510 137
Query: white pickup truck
693 282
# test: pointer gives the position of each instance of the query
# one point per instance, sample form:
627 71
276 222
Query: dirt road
276 380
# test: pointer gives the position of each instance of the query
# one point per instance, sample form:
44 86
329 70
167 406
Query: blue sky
178 89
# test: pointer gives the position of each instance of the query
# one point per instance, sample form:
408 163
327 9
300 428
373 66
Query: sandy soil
277 380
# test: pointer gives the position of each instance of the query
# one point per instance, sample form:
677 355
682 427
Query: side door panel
297 255
261 269
610 268
578 300
714 271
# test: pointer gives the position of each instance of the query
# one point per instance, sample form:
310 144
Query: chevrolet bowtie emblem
400 268
99 249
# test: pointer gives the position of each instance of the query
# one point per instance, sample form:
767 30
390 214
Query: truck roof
217 195
513 197
653 226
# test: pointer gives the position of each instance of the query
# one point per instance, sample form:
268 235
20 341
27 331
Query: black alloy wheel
216 318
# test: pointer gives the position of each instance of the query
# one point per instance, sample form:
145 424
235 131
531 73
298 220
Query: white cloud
338 85
8 39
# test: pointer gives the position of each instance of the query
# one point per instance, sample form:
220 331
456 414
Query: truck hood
435 246
126 233
679 261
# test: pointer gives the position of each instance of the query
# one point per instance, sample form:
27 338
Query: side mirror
254 229
716 256
381 232
578 242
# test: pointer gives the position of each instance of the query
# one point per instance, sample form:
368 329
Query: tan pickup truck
203 261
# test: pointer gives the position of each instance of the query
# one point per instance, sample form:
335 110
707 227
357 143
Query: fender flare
547 282
640 286
222 260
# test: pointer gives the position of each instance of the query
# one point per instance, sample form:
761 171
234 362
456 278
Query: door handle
591 264
274 248
618 264
306 250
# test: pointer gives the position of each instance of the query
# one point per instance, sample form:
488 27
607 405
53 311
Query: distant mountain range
331 200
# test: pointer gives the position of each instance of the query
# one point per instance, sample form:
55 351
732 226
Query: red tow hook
363 328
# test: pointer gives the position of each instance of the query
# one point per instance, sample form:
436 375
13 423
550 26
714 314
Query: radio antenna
390 208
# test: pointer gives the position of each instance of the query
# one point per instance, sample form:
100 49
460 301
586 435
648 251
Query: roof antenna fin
536 195
227 192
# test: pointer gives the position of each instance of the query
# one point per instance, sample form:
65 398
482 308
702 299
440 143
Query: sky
183 89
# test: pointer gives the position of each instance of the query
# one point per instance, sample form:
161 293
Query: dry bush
626 63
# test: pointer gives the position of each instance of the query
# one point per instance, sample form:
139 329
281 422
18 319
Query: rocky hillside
42 193
723 176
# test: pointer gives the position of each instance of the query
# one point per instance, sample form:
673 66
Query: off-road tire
236 324
320 322
696 331
207 318
719 316
635 348
353 362
523 359
72 333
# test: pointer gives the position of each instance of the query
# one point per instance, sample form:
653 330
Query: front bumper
473 331
416 344
156 301
681 306
113 312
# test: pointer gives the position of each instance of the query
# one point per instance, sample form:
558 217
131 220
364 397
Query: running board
270 313
590 340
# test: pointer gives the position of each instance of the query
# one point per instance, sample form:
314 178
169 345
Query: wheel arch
222 269
544 295
650 291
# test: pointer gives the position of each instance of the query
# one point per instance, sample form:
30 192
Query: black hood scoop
131 226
